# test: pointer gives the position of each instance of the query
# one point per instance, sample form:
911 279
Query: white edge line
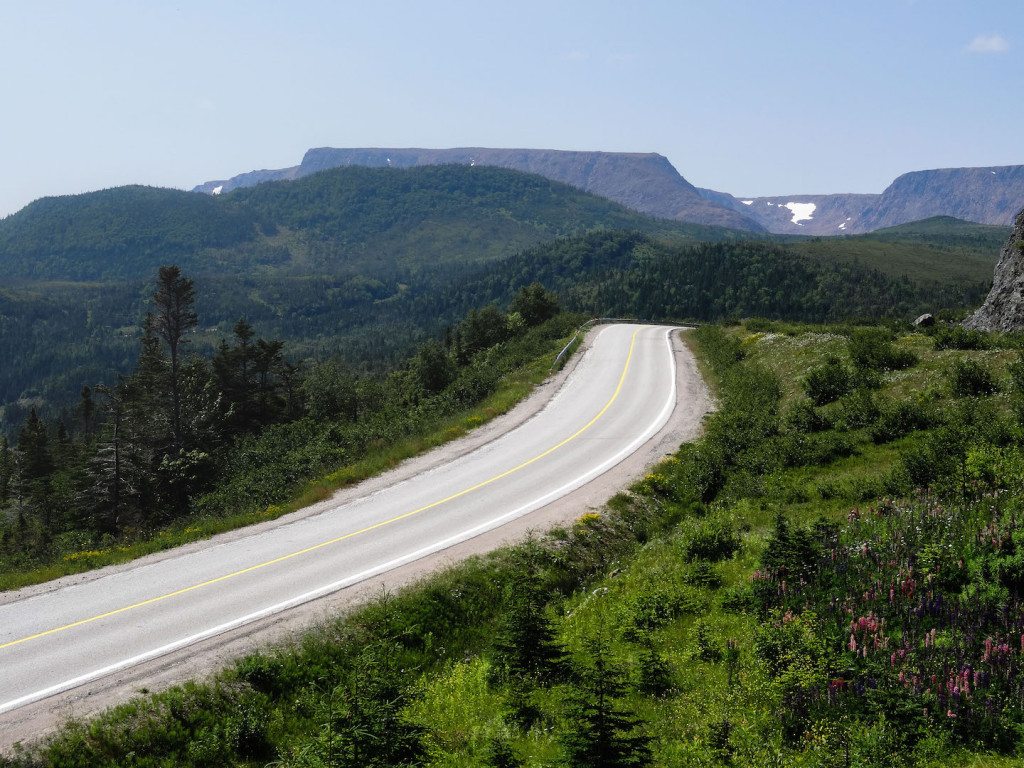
572 485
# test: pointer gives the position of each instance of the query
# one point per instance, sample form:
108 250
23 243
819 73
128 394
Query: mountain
818 215
983 195
644 182
341 219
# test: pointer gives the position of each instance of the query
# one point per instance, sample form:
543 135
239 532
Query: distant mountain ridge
648 183
991 195
644 182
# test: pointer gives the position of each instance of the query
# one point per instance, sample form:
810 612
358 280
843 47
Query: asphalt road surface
620 394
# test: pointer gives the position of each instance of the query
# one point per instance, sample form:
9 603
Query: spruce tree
86 412
117 470
366 726
603 733
175 300
6 470
526 647
34 448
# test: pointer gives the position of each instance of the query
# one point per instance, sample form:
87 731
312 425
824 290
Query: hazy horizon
755 101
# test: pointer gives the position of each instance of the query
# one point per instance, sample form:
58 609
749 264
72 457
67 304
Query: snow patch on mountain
801 211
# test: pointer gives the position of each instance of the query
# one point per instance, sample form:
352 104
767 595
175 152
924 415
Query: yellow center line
329 542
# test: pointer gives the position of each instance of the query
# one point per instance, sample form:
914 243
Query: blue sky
752 98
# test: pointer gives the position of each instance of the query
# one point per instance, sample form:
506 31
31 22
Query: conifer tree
6 470
175 299
526 646
34 448
368 727
86 412
117 470
602 734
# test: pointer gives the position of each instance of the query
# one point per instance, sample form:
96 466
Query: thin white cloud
575 56
989 44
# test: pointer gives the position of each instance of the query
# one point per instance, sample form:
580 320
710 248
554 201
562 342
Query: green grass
512 389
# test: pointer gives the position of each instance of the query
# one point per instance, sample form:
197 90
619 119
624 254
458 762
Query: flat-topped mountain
645 182
982 195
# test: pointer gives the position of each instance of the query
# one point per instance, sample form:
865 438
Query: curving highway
620 395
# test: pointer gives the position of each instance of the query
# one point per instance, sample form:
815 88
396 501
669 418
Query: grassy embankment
742 614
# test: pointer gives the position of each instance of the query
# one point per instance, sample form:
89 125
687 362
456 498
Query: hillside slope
645 182
326 222
942 249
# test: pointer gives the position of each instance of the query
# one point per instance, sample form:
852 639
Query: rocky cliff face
1003 310
838 214
983 195
645 182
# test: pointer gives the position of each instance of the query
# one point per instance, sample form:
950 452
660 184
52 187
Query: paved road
619 396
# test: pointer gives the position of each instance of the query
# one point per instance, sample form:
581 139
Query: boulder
926 320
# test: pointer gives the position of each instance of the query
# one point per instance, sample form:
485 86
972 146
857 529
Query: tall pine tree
175 300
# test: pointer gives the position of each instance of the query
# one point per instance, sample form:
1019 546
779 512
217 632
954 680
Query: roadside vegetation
830 576
185 446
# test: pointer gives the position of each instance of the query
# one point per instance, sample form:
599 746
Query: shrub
958 337
712 540
901 419
703 574
828 382
971 378
871 349
706 649
857 410
799 450
658 607
802 416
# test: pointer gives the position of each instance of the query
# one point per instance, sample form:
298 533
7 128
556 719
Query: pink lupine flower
852 645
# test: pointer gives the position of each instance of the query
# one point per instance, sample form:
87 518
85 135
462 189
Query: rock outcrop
1003 309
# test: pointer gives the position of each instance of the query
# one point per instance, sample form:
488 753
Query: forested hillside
59 336
940 249
368 262
332 222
